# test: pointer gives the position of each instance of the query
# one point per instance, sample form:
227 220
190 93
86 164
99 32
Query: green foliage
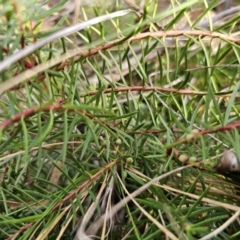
97 119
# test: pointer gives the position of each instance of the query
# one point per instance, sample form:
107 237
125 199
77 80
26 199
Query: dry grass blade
92 230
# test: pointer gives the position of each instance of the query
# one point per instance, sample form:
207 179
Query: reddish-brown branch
164 34
186 161
27 113
55 106
178 33
196 135
21 230
160 89
147 88
140 36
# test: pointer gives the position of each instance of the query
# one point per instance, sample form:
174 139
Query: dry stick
93 229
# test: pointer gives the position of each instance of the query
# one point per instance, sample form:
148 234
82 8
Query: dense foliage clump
114 116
